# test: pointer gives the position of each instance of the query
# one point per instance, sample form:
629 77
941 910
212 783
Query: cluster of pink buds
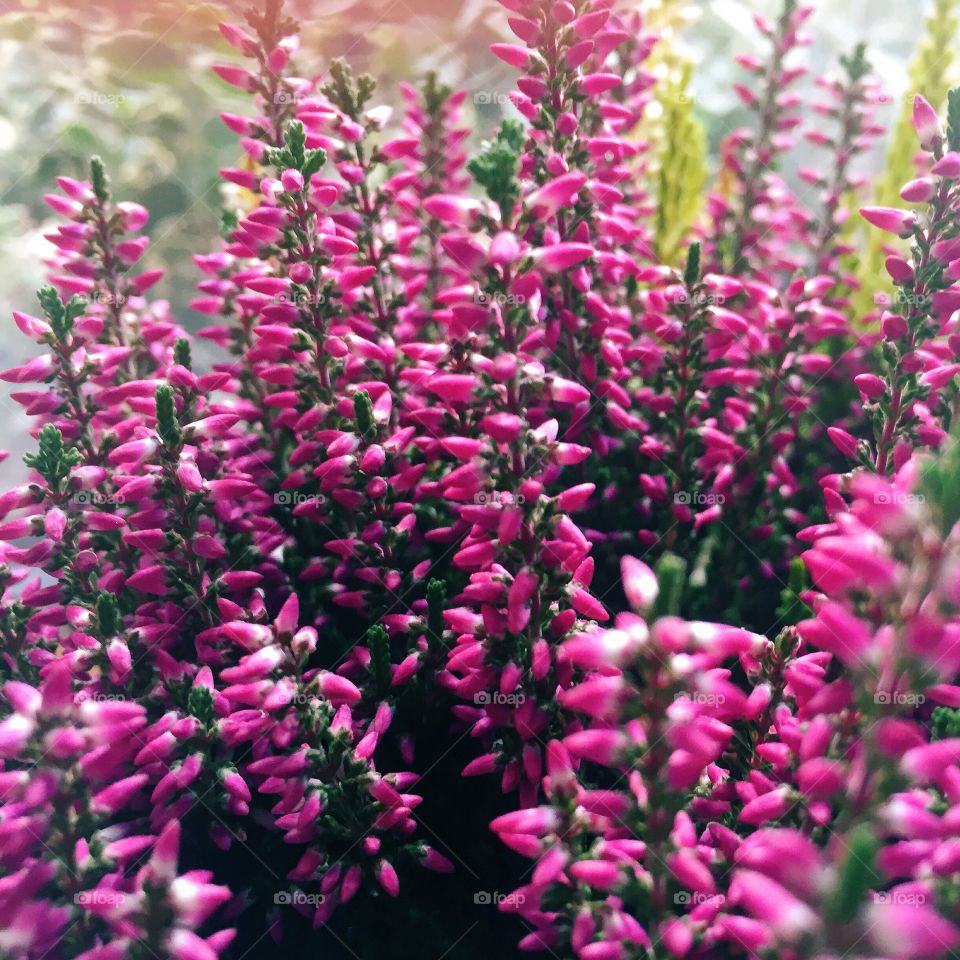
723 792
68 794
910 399
163 605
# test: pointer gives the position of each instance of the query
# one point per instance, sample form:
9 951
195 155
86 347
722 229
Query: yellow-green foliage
930 75
681 167
677 143
667 62
666 18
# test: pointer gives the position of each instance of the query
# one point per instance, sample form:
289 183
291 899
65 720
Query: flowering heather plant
318 643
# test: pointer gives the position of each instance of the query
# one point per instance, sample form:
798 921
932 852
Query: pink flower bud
926 123
899 222
948 166
894 326
292 181
452 209
870 385
387 878
843 441
916 191
235 76
561 256
511 54
639 583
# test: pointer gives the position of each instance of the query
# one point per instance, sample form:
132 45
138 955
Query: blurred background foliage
131 81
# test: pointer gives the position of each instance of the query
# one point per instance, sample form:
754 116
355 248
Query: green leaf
378 642
857 875
181 353
945 723
691 273
953 118
200 705
856 63
61 315
350 94
167 425
940 485
99 181
294 154
53 459
792 609
108 614
671 573
363 411
436 599
434 93
496 168
229 221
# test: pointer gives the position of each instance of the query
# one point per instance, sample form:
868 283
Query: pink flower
639 583
843 441
916 191
593 84
511 54
768 806
561 256
900 222
536 820
600 746
454 210
836 630
408 468
235 76
555 194
926 123
948 166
